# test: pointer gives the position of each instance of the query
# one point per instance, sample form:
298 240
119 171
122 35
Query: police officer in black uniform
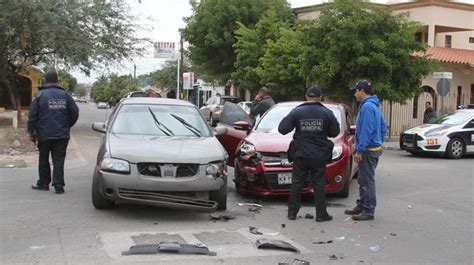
51 115
314 123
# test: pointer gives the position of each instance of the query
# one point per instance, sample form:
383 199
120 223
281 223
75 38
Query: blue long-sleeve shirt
370 126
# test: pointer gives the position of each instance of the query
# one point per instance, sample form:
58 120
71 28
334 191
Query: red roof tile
450 55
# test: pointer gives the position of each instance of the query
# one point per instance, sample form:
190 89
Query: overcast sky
165 17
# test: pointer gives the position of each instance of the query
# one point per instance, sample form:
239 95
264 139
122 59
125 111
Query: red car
259 157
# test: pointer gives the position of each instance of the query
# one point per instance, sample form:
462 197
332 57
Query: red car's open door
230 115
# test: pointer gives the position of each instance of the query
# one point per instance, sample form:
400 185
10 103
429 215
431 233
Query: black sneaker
40 187
354 211
324 218
363 217
59 190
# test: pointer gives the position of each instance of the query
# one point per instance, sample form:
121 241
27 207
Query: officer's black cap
313 91
51 78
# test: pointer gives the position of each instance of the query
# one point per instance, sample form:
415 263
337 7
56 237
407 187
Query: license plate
284 178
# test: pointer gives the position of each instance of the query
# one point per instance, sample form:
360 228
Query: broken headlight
247 150
336 152
216 169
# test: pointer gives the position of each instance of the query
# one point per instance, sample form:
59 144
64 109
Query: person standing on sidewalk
51 115
314 123
370 133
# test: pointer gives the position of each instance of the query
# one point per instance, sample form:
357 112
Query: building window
419 37
471 39
447 41
472 94
426 37
415 107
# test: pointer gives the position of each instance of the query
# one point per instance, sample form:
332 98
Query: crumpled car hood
165 149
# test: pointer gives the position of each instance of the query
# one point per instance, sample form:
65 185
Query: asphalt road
424 216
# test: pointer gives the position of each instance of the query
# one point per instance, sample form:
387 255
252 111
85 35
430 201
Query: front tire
455 148
98 200
220 196
344 193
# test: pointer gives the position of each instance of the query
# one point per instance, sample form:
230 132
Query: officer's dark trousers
302 167
58 154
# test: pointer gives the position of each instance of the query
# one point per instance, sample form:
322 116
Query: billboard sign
188 80
164 49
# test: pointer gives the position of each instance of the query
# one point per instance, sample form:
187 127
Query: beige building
448 29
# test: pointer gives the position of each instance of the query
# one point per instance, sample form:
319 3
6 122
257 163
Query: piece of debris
341 238
329 204
332 257
385 238
254 230
323 242
283 225
322 232
253 207
348 219
292 261
275 244
308 216
169 247
393 234
351 222
409 207
10 166
374 248
37 247
352 239
16 143
224 216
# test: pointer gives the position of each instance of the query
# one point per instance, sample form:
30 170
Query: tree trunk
14 99
11 93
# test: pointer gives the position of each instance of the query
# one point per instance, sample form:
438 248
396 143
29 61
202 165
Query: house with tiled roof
448 30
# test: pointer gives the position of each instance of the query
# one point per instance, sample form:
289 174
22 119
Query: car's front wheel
98 200
455 148
220 196
344 193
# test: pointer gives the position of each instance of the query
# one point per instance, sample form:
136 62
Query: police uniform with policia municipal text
314 123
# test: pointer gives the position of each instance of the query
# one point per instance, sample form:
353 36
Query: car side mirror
99 127
352 130
220 130
242 126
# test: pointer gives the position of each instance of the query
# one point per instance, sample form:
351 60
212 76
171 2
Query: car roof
155 101
297 103
466 110
228 97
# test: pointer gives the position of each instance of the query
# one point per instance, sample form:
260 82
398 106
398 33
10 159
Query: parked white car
451 135
245 105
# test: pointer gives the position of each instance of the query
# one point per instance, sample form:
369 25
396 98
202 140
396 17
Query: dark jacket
371 127
429 114
260 107
314 123
52 113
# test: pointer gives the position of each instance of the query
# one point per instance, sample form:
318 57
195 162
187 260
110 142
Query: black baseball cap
363 84
51 78
313 91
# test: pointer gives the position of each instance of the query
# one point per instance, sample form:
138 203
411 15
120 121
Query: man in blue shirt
52 113
370 133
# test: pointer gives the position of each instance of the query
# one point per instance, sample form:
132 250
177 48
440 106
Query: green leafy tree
112 88
352 40
280 67
80 90
210 31
67 81
81 34
250 47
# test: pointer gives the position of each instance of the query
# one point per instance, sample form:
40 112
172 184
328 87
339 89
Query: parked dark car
213 107
259 155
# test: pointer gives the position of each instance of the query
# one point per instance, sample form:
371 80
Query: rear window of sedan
233 100
170 120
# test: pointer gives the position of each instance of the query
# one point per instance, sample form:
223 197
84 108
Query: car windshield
161 120
452 119
274 116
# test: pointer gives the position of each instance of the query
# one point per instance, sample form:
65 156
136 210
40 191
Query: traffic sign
446 75
442 87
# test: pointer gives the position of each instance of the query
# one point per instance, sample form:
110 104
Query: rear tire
220 196
455 148
98 200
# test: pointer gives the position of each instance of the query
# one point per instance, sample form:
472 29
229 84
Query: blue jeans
367 199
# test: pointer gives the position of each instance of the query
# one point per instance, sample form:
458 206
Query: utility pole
181 62
134 72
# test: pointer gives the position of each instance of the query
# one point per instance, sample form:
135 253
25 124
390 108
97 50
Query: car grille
177 198
168 170
275 159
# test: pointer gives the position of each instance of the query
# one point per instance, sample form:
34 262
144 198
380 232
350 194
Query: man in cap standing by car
370 133
262 102
314 123
51 115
